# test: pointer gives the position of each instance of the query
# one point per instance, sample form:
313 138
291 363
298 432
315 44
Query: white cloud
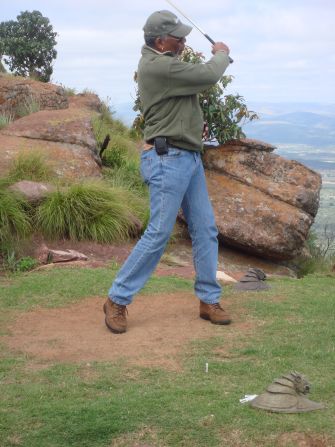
283 49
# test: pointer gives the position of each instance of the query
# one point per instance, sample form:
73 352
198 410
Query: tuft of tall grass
127 177
14 219
30 166
5 119
320 257
28 106
120 151
69 91
2 68
90 211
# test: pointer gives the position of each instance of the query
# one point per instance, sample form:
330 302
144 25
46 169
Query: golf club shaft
196 26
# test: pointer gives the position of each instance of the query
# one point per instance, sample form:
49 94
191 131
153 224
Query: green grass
128 177
30 166
121 158
90 211
5 119
291 326
28 106
26 291
14 222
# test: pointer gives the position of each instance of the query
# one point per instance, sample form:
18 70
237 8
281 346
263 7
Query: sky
283 50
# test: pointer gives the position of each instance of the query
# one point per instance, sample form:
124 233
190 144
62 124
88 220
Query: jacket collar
146 49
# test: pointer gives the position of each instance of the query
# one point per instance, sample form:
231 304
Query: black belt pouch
161 146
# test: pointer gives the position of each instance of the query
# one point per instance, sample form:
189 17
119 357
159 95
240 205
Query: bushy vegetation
113 209
121 158
90 211
120 151
29 45
319 255
14 220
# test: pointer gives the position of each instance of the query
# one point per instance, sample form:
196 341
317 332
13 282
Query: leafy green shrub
25 264
14 219
18 265
30 166
90 211
5 119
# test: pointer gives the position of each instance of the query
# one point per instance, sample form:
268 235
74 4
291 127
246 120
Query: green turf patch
112 404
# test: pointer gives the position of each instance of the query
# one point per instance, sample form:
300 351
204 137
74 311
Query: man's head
165 32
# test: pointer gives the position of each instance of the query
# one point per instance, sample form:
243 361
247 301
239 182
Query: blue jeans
175 180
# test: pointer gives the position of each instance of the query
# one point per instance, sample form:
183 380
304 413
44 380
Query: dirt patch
296 439
232 262
145 437
159 328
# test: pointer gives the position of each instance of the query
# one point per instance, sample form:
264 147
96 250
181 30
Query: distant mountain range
280 123
301 127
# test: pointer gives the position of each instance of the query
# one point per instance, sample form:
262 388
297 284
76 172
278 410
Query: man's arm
185 78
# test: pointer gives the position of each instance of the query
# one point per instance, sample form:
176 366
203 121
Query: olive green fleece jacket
168 90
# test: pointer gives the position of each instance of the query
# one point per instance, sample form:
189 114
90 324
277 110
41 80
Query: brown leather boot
115 319
214 313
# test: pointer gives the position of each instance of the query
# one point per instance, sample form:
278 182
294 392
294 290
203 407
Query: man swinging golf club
171 166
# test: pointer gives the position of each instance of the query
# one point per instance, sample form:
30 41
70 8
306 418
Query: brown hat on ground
252 280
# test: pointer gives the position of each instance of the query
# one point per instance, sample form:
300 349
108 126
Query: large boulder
15 91
64 138
263 203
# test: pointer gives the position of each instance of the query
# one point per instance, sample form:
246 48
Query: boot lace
119 310
216 306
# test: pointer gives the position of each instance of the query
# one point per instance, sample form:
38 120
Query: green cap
160 23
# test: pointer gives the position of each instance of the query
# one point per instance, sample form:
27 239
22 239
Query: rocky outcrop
64 138
15 91
263 203
33 192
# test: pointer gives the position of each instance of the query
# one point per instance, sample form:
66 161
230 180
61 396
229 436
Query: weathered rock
224 278
15 90
255 222
285 180
64 138
248 144
69 161
32 191
72 125
263 204
47 255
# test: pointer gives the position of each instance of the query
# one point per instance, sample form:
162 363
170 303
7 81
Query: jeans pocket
146 163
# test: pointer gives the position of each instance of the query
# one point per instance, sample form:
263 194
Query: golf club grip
213 43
